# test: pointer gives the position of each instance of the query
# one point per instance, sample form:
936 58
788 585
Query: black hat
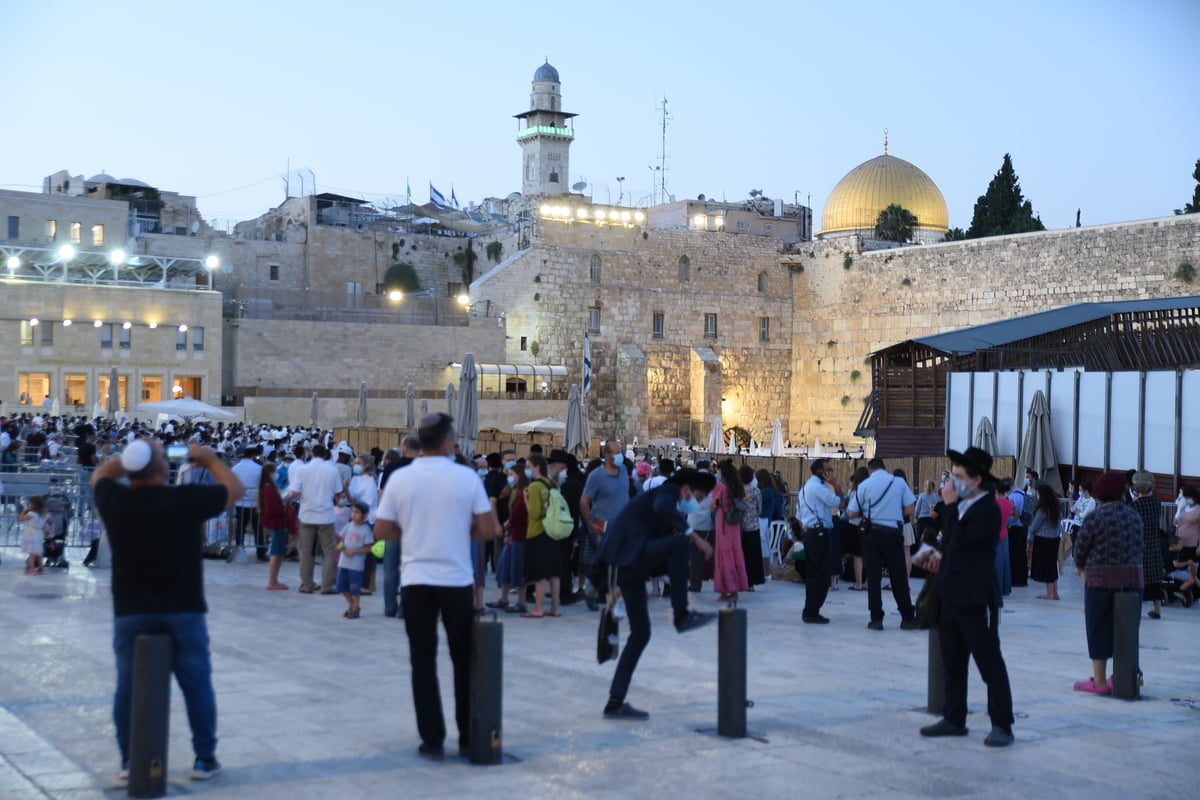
977 459
559 456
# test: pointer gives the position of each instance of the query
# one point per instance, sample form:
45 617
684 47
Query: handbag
929 605
735 512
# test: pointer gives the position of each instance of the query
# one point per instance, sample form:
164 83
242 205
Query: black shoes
999 737
945 727
694 620
626 712
432 752
909 625
814 619
205 769
875 625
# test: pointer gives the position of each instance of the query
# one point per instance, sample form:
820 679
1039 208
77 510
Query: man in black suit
966 584
649 537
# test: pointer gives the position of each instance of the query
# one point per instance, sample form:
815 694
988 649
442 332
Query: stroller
54 546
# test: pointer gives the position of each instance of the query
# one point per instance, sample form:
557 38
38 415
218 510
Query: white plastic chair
778 529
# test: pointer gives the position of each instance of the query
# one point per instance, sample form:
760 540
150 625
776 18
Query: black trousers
967 631
1018 557
885 545
698 563
816 557
422 605
246 521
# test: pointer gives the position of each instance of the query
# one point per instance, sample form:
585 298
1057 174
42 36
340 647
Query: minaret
545 136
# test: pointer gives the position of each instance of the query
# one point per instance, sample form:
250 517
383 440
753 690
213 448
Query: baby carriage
54 546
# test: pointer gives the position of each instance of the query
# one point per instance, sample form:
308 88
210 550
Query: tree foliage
1003 209
466 259
1194 206
895 224
955 235
402 276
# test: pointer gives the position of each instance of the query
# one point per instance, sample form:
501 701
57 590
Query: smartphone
177 452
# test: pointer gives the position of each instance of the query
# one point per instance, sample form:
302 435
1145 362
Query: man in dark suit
966 585
648 537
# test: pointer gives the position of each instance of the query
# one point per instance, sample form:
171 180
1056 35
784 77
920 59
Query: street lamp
464 299
13 262
117 257
66 252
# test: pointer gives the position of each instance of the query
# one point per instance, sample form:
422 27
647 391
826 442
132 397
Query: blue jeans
191 666
1003 571
391 577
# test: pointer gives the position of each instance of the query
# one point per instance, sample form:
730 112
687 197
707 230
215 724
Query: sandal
1090 686
531 615
515 609
553 614
497 604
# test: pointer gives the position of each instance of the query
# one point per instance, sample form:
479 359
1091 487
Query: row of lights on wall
126 325
616 216
395 295
116 258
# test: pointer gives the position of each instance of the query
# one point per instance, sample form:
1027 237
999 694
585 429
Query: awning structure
530 370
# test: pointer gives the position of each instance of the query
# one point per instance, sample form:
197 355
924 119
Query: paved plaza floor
312 705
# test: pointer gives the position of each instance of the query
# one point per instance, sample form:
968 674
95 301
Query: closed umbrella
409 400
468 407
424 408
753 445
1037 452
575 437
717 436
361 420
777 438
312 417
985 437
450 409
55 408
114 395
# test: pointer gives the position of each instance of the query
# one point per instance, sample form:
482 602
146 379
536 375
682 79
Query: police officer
819 498
882 502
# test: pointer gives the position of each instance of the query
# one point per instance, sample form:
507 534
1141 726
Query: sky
1096 101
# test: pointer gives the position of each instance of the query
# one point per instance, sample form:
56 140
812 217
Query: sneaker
999 737
205 769
694 620
432 752
875 625
944 727
123 776
1154 615
627 712
815 619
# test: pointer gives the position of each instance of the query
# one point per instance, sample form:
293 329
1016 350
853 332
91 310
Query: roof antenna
885 133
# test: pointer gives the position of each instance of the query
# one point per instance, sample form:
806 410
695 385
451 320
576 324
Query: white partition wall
1160 422
1190 438
1062 406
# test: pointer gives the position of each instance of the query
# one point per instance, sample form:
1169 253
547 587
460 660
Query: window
14 227
524 343
710 326
152 387
33 388
76 232
273 270
354 293
47 337
186 387
52 229
75 389
106 336
741 226
595 269
768 227
764 329
125 337
594 319
685 269
27 332
97 235
762 282
659 319
181 338
197 338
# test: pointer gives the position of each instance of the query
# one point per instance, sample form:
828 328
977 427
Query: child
1183 571
33 535
356 540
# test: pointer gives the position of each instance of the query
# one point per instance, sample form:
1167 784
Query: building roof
855 203
1007 331
546 73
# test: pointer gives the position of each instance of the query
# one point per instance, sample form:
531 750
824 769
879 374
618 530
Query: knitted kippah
136 456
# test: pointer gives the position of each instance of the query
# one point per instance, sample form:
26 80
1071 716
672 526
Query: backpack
735 513
1026 518
558 522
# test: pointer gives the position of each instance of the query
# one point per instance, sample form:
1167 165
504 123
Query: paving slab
312 705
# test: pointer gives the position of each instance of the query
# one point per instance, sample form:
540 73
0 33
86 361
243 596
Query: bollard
1127 615
731 672
935 682
487 673
150 715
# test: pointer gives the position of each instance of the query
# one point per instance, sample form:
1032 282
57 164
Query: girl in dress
729 563
33 534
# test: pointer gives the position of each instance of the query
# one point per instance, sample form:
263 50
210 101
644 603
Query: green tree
1003 209
402 276
466 260
955 235
895 224
1194 206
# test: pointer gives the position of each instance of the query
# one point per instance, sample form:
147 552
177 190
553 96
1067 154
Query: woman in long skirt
1045 534
729 563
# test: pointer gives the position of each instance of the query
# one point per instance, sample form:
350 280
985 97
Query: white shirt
817 503
248 471
362 489
434 501
316 484
654 483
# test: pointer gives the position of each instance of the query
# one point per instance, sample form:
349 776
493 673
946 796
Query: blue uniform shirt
882 498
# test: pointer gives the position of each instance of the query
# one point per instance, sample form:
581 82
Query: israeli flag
587 363
435 196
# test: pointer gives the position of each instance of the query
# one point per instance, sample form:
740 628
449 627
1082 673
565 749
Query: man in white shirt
317 484
438 507
248 471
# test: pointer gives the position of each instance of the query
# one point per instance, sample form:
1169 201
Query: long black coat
968 572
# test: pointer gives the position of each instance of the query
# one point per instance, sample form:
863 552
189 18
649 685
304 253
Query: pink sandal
1090 686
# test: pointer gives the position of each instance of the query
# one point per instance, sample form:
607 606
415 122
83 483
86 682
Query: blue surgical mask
618 459
512 480
509 464
529 474
962 488
357 469
482 473
689 505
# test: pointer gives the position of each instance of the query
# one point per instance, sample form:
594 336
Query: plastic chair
778 529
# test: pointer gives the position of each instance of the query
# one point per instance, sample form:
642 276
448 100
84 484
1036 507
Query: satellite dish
579 187
195 226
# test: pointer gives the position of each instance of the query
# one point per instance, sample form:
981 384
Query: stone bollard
1127 615
731 672
935 681
150 716
487 687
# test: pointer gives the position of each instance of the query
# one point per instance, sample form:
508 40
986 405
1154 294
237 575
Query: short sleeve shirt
608 493
882 498
353 537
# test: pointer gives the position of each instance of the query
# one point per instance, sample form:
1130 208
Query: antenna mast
662 155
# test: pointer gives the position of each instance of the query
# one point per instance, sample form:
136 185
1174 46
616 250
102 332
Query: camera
177 452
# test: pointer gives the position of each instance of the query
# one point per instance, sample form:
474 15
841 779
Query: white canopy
189 409
545 425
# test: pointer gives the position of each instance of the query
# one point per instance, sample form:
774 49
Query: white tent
545 425
189 409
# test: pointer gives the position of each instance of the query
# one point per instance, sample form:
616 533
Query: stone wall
884 297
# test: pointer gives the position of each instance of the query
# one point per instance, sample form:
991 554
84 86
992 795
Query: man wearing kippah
157 535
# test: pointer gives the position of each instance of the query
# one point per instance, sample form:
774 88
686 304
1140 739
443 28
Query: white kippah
136 456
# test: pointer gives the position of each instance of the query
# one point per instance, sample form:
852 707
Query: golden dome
855 203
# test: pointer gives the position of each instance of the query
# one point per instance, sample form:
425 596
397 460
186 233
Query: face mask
512 480
754 483
1189 503
561 477
357 469
689 506
482 473
618 459
529 474
962 487
1027 483
509 464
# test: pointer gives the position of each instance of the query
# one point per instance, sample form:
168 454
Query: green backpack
559 523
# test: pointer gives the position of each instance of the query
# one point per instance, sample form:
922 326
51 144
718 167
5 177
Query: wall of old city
844 313
547 293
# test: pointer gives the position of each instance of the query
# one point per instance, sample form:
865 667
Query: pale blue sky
1097 101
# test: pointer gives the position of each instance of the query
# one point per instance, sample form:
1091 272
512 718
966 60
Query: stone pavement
314 705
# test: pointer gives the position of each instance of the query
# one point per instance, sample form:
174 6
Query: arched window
685 269
595 269
762 282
